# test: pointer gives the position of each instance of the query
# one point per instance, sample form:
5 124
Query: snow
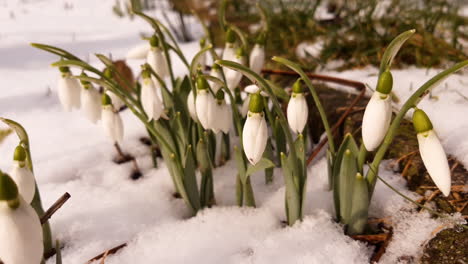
72 155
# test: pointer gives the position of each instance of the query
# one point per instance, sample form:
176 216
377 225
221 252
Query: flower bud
254 135
150 99
68 90
111 121
234 77
432 152
22 176
376 120
297 112
91 102
157 60
257 58
20 228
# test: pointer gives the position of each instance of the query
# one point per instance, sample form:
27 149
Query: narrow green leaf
269 155
293 208
393 49
263 164
348 170
360 206
55 50
76 63
280 139
58 252
241 165
194 65
190 180
278 91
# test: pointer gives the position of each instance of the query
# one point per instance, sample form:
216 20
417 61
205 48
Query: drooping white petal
116 101
254 137
112 123
376 120
253 88
201 61
205 106
257 58
91 104
21 234
245 106
158 63
435 160
234 77
150 100
222 118
69 92
191 106
297 112
215 85
138 52
229 52
25 181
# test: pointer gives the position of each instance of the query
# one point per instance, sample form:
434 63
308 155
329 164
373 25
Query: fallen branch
51 211
107 253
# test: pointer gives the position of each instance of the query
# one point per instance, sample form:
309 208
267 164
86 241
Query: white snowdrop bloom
222 118
229 52
150 99
250 89
116 101
378 113
205 108
201 61
156 59
68 90
22 176
432 152
191 106
138 52
91 102
297 112
255 132
215 72
257 58
111 121
234 77
20 227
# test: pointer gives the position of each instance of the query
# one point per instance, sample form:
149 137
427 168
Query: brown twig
107 253
376 257
51 211
372 239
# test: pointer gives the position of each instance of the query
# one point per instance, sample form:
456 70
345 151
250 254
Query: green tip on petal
145 73
256 103
154 41
20 154
220 95
230 36
421 121
8 188
216 67
385 83
297 86
83 82
64 69
202 84
105 99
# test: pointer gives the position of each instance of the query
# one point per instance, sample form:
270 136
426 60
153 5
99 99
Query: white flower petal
116 101
257 58
215 85
25 181
138 52
113 125
21 234
435 160
191 106
376 120
158 63
297 113
254 137
69 92
91 104
204 105
150 100
234 77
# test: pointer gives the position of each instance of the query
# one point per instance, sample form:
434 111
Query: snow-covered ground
107 208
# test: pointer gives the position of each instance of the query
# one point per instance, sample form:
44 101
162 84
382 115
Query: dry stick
122 154
382 248
51 211
107 253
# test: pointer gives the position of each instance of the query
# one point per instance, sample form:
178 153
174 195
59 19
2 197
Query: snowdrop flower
257 56
68 90
215 72
156 59
378 113
138 52
90 102
204 104
202 58
250 89
22 176
297 111
255 132
191 106
432 152
234 77
149 98
20 228
229 52
222 115
111 120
